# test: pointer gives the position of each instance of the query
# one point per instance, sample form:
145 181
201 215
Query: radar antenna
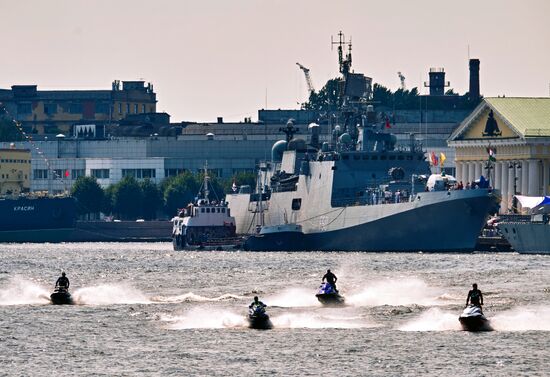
345 63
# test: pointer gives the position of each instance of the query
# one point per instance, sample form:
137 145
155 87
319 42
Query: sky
229 58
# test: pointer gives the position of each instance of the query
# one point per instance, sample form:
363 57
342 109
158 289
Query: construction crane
402 79
310 87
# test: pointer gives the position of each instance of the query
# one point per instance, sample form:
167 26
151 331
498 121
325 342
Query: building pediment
506 118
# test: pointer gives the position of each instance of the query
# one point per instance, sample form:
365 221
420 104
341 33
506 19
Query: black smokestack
474 79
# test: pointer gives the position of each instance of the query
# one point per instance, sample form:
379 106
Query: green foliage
107 206
240 179
8 130
88 194
151 199
328 98
127 198
180 191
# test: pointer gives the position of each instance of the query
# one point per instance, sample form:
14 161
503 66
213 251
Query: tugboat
204 224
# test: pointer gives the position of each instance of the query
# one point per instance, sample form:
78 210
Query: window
207 210
40 174
202 210
296 204
139 173
223 209
120 108
75 173
127 108
75 108
58 174
102 107
50 108
173 172
143 108
135 108
24 108
100 173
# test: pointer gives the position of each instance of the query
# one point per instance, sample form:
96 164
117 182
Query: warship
358 190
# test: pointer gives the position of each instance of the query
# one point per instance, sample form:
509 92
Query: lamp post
516 166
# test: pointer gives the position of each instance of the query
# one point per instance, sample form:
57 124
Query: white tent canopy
532 201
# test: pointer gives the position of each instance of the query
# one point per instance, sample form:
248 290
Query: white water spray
107 294
20 291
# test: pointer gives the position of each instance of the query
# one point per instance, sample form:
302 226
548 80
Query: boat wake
434 319
109 294
20 291
294 298
515 319
399 292
522 319
307 320
201 318
191 297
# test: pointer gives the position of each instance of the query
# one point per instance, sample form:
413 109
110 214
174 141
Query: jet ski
258 318
61 296
328 296
472 319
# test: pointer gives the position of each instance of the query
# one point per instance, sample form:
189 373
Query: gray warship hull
527 237
432 222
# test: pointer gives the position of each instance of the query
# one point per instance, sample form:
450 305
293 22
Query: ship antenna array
345 63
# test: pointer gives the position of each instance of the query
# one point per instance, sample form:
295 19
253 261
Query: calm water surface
144 309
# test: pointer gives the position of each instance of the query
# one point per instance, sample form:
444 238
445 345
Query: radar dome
345 138
298 145
277 150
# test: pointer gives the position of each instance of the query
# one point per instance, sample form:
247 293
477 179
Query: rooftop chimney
474 79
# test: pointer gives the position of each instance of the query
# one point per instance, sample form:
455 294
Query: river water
144 309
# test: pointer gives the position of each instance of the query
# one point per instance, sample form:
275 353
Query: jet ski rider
331 279
257 303
62 282
475 297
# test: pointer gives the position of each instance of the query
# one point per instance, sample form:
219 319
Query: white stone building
518 131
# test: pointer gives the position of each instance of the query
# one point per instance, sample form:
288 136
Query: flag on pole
442 158
388 125
492 152
67 173
234 187
433 159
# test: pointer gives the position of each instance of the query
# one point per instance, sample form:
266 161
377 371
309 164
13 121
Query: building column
497 182
512 174
525 177
477 170
505 189
458 174
534 178
545 176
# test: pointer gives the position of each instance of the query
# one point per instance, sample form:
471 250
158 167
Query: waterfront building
516 132
15 166
57 111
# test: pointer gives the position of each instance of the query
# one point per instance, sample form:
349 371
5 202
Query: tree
88 194
108 197
151 200
328 98
240 179
8 130
179 191
127 198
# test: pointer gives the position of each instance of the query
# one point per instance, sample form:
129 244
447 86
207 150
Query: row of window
7 176
106 173
76 108
128 108
139 173
15 161
382 157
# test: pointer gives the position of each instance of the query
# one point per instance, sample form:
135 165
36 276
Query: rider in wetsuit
62 282
475 297
257 303
331 279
